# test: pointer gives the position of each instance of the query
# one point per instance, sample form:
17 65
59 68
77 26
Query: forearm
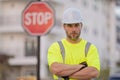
64 69
85 74
67 72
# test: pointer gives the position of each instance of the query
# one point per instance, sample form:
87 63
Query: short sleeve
54 54
93 57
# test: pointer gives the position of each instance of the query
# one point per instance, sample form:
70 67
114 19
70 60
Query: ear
81 24
64 26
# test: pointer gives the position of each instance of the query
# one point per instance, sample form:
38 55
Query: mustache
74 32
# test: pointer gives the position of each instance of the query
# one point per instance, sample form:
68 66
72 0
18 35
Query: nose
74 28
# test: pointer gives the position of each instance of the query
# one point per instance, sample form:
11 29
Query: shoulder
93 48
92 45
54 45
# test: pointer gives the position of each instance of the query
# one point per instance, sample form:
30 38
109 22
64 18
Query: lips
73 33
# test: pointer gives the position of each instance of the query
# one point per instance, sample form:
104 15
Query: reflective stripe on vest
87 48
62 49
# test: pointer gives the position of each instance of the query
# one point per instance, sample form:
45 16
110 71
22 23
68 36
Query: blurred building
118 43
99 29
4 66
15 42
118 35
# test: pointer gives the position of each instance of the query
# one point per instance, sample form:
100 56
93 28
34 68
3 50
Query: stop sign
37 18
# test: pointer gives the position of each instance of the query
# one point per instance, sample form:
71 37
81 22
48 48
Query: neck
74 41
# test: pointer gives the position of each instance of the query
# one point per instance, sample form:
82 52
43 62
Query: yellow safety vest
74 54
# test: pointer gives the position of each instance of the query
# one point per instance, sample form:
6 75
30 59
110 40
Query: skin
73 32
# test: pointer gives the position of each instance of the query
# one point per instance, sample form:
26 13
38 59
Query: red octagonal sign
38 18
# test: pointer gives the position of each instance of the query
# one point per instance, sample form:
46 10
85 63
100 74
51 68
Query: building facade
99 29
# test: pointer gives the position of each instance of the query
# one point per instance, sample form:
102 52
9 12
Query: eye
77 24
69 25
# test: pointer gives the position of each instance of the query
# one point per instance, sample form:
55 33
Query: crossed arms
73 71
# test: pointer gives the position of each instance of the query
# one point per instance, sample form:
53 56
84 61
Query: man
71 67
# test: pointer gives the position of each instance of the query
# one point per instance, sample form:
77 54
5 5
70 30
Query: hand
65 77
84 65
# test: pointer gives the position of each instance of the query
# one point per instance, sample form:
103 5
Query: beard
73 35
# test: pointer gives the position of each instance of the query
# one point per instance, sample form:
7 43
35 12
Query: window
117 2
30 72
118 34
1 20
95 32
95 5
118 18
73 0
31 46
84 2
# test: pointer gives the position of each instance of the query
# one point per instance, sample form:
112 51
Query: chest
74 55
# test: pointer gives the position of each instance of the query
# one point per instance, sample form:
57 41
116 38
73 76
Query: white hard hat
71 15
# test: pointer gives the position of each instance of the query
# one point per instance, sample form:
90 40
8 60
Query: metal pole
38 59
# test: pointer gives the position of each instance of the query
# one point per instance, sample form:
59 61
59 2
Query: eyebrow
71 23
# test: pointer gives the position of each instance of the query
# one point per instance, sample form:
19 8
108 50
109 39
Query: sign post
38 58
37 20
